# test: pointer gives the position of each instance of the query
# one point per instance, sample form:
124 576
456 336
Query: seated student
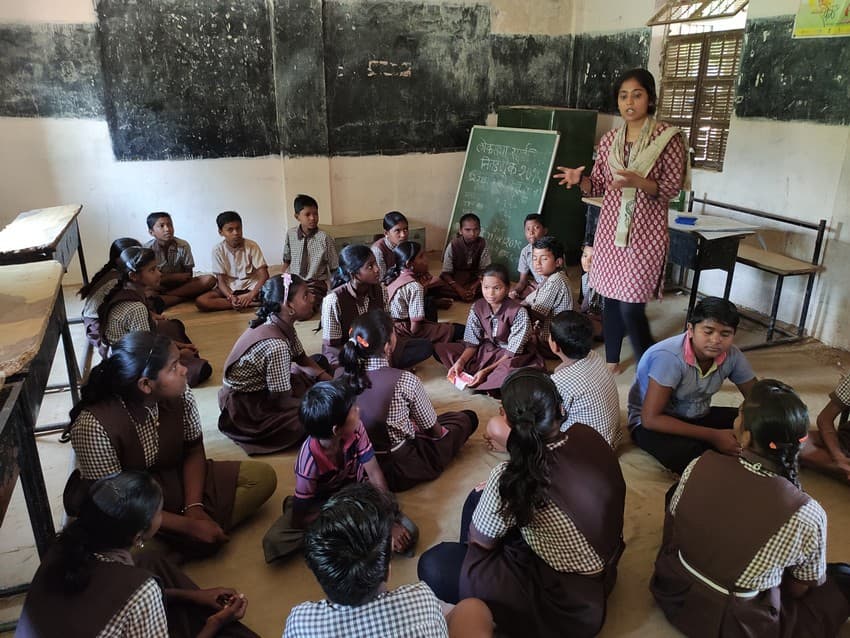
136 413
494 342
529 280
101 285
336 453
465 258
827 449
261 393
356 290
670 412
238 265
592 303
89 585
413 444
553 295
541 543
744 548
587 387
348 549
408 305
395 232
308 251
127 308
174 257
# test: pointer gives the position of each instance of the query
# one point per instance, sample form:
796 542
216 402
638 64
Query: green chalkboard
505 175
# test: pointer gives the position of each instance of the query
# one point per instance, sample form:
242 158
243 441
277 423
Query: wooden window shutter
698 90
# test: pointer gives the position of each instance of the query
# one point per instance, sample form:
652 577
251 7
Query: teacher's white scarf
642 158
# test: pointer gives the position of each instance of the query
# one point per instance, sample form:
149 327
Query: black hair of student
114 253
303 201
777 419
349 546
497 270
550 243
115 511
716 309
272 297
227 217
370 332
534 217
137 354
466 217
405 253
573 333
351 259
533 410
393 218
645 79
325 406
155 216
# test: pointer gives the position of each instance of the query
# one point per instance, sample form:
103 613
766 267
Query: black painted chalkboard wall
786 79
50 70
529 69
188 79
404 76
598 60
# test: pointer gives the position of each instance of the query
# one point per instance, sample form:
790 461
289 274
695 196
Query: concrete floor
810 367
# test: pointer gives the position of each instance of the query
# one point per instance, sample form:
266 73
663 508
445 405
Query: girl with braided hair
744 548
267 371
540 544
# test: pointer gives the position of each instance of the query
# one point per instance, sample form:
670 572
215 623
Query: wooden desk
711 243
44 234
32 318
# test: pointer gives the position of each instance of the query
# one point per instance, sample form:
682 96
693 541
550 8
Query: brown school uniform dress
120 427
115 583
527 595
433 331
466 264
198 370
511 333
387 262
719 541
393 410
263 421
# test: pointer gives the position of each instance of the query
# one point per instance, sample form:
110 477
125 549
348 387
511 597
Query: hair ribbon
287 282
773 445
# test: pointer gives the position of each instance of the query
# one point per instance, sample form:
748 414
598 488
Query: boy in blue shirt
670 412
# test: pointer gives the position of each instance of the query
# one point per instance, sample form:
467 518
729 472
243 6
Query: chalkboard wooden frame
503 229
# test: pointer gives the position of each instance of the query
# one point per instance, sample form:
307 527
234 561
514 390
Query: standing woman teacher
640 167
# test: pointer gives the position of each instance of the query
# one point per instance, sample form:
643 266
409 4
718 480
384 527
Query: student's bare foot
615 368
492 445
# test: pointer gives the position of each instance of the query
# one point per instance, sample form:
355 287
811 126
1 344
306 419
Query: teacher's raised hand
568 177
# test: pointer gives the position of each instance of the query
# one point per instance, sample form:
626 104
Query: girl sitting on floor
260 394
89 583
357 290
744 548
395 232
408 304
101 285
541 543
136 413
494 342
127 309
411 442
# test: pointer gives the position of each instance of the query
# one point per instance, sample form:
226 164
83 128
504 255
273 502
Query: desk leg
32 478
728 288
70 355
771 326
83 270
694 292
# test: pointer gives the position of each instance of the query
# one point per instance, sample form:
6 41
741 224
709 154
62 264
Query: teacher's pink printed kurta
634 274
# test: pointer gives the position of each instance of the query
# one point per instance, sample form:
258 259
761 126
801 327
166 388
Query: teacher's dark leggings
619 319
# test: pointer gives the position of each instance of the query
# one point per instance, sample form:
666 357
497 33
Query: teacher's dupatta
641 159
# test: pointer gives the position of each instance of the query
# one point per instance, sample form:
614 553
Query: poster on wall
822 19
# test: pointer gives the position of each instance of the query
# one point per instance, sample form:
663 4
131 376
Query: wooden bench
777 264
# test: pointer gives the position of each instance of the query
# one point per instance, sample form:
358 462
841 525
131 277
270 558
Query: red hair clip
362 342
773 445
